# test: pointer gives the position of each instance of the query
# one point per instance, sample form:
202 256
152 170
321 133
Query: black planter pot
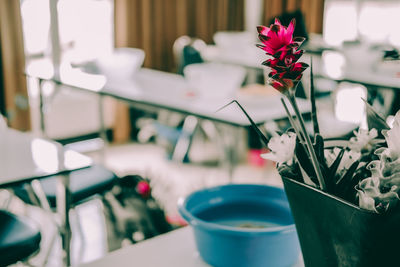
334 232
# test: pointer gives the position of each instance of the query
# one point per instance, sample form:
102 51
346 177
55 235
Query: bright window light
349 105
379 22
334 63
375 21
87 27
340 22
35 25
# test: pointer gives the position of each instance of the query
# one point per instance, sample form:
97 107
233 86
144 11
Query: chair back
121 64
214 80
187 51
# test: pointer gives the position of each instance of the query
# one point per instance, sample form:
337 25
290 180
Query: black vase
334 232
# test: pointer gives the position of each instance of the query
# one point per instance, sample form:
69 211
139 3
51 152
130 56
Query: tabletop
176 248
25 157
158 89
170 91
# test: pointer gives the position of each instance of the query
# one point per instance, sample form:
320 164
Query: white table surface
24 157
169 91
173 249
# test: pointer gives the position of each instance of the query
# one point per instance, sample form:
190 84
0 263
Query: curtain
13 88
312 11
154 25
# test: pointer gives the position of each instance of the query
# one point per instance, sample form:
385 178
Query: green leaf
374 120
313 105
344 183
289 171
349 192
305 161
335 165
263 138
319 148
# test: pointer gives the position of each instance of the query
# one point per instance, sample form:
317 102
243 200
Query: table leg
63 208
103 129
182 146
41 107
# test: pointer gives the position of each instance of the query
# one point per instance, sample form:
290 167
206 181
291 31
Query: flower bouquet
344 196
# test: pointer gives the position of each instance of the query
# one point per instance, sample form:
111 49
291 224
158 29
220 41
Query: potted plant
344 198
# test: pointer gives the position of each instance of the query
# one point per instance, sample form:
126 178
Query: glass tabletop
24 157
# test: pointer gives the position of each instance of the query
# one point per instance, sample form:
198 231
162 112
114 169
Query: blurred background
353 45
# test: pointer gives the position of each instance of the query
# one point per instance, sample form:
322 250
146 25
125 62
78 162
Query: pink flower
278 42
276 37
292 72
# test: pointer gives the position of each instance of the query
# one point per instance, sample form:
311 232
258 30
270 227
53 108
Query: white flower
370 196
282 148
380 191
363 140
367 191
392 137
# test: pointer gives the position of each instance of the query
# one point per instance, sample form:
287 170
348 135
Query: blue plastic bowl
242 225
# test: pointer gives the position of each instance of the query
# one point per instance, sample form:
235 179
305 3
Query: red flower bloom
278 42
276 37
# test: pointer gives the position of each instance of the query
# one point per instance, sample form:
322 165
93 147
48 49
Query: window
85 28
368 20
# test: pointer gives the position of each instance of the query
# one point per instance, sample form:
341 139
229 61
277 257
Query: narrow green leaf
319 147
335 165
374 120
349 193
263 138
305 161
312 98
345 181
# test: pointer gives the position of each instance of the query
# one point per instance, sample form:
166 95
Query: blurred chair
84 184
234 39
121 64
19 238
174 130
186 51
214 80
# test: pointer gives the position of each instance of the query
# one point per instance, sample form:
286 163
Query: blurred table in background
156 90
25 158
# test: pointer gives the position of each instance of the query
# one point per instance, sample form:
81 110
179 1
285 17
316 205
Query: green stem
309 146
292 122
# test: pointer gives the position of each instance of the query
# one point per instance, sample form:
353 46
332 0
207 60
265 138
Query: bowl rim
197 222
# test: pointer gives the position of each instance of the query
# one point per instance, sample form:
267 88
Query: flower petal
291 27
262 30
277 21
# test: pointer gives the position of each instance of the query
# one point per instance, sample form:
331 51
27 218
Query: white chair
214 80
121 64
